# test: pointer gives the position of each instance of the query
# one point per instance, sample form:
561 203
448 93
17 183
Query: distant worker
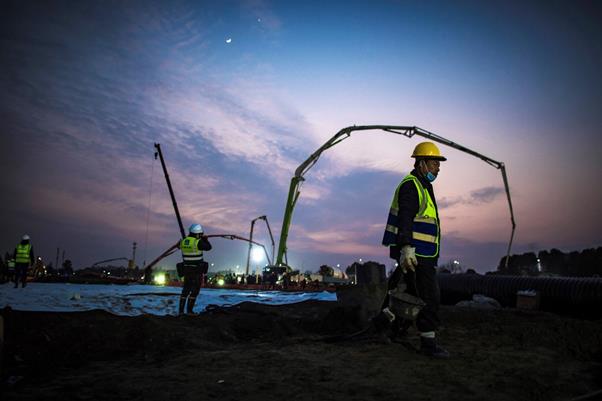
24 258
3 271
413 236
195 267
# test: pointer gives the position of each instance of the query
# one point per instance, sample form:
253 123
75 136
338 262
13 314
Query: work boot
181 307
429 347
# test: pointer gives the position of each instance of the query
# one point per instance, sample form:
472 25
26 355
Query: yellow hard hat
427 150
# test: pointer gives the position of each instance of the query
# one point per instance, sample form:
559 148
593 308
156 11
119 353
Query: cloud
352 238
476 197
486 194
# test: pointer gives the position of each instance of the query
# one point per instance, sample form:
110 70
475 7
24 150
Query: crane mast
264 218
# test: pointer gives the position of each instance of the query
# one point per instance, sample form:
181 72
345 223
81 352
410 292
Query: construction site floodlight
407 131
257 254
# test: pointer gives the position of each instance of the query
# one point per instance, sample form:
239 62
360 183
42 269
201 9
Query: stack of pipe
576 296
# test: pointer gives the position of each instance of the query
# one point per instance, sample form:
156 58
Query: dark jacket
408 208
204 244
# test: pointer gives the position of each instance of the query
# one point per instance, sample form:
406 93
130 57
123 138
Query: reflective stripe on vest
425 229
23 253
191 254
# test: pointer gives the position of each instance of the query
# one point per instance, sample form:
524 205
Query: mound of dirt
262 352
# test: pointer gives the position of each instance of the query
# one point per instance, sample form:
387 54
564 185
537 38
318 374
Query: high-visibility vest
23 253
425 228
191 254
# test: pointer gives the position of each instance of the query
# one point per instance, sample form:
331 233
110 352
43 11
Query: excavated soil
262 352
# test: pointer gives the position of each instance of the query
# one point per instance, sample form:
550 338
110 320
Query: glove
408 258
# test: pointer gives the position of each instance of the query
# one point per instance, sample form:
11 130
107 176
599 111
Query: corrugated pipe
574 296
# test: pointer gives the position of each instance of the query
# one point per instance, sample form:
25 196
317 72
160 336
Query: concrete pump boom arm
264 218
174 247
108 260
408 131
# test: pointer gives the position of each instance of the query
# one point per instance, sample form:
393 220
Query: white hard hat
25 237
196 229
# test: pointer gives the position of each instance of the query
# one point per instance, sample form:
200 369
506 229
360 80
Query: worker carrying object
24 258
193 266
413 236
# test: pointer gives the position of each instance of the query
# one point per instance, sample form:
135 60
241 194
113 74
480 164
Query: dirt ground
261 352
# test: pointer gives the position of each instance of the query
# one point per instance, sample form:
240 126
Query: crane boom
108 260
174 247
173 197
407 131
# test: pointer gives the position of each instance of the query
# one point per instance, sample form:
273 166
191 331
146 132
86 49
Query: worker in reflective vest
195 267
413 235
24 258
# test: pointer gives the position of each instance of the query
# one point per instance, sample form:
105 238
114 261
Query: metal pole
265 218
173 198
250 246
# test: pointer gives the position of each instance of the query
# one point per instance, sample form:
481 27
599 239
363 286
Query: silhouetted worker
195 267
413 236
23 259
9 260
3 271
273 280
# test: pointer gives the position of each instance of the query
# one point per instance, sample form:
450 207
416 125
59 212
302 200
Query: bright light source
220 282
257 254
160 279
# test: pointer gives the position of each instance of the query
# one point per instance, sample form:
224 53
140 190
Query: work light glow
159 279
257 254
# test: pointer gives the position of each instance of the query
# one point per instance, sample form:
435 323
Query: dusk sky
239 93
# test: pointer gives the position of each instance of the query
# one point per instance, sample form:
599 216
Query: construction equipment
173 198
174 247
407 131
108 260
264 218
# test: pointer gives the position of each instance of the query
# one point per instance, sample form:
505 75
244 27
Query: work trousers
191 288
421 283
21 274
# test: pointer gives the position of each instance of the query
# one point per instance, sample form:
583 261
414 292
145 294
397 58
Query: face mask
429 176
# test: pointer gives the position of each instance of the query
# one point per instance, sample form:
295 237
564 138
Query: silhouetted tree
326 271
586 263
352 269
